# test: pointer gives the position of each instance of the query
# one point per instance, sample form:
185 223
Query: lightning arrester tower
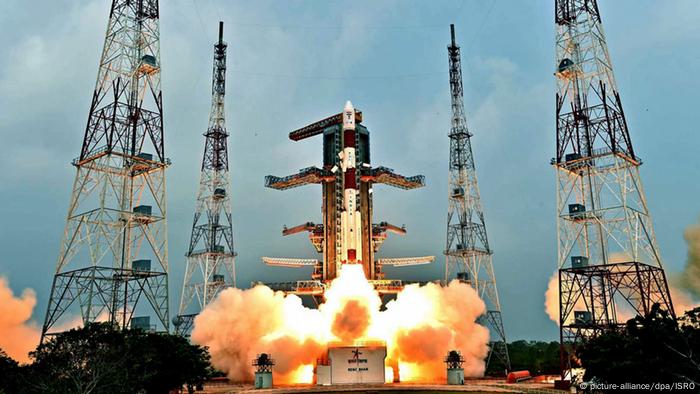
113 260
211 256
468 254
607 253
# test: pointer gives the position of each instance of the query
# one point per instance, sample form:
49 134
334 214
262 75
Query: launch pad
347 234
471 386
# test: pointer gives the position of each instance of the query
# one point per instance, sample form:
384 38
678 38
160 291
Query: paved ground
476 386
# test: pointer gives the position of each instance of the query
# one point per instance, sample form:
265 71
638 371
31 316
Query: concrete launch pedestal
455 376
263 380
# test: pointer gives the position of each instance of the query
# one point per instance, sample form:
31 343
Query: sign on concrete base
357 364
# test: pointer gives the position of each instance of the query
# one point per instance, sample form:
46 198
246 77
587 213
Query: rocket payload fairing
350 218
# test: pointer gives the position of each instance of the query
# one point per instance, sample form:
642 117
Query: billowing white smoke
18 336
419 328
551 298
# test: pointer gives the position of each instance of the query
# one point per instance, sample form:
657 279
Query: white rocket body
350 218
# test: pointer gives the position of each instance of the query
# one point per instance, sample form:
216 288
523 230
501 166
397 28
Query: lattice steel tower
210 257
114 251
608 259
468 255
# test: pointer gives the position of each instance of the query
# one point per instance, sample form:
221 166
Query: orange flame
18 335
419 328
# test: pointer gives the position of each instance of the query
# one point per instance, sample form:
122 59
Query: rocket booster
350 218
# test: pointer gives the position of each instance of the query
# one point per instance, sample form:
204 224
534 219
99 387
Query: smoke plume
690 278
682 300
551 298
685 287
18 336
419 327
351 322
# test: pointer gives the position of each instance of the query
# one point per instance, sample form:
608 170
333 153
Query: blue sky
294 62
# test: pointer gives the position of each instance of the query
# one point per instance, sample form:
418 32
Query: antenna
468 256
211 256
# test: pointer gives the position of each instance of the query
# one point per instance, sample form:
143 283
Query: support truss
109 294
115 247
601 297
211 255
609 264
468 255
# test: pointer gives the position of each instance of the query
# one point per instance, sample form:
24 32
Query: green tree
649 349
10 374
98 359
84 360
164 362
535 356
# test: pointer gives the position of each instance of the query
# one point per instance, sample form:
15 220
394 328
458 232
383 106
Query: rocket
350 218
